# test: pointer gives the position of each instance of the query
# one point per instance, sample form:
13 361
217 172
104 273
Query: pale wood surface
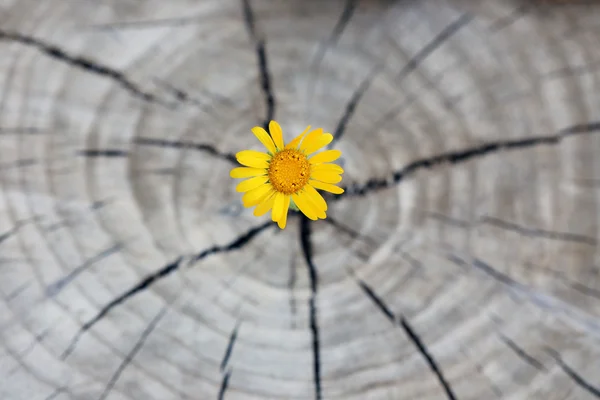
462 262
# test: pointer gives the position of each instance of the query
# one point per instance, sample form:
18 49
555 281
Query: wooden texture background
461 263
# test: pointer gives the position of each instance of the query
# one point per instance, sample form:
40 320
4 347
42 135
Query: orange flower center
289 171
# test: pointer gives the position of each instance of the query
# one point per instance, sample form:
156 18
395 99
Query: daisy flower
287 176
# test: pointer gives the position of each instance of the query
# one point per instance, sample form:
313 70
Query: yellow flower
288 176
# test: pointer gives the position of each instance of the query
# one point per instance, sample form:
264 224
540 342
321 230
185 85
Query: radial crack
186 145
238 243
586 290
495 273
411 334
56 287
56 392
229 348
351 107
80 62
461 156
349 231
337 31
263 64
110 153
341 24
377 301
428 357
265 82
578 379
550 303
488 269
565 236
307 251
21 130
521 353
249 18
139 344
437 41
145 283
9 233
505 21
224 385
168 269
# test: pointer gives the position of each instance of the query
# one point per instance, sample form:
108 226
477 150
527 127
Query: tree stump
460 263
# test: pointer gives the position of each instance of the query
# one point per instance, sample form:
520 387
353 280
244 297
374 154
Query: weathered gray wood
461 263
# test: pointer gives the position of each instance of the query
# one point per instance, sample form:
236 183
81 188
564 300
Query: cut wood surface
462 261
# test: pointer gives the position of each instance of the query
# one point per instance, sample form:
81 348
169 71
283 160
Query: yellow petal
253 158
325 156
319 212
315 197
255 196
265 205
325 176
326 186
294 143
243 172
251 183
264 138
276 134
283 220
278 204
311 137
305 206
334 168
318 143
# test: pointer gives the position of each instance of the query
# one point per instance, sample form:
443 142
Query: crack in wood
377 301
129 357
108 153
433 45
238 243
352 233
526 231
412 335
205 106
578 379
176 144
515 227
488 269
229 349
18 225
167 270
511 18
80 62
140 286
6 235
548 302
307 251
461 156
410 66
55 288
588 291
351 107
263 64
323 46
57 391
338 30
521 353
21 130
224 385
17 291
